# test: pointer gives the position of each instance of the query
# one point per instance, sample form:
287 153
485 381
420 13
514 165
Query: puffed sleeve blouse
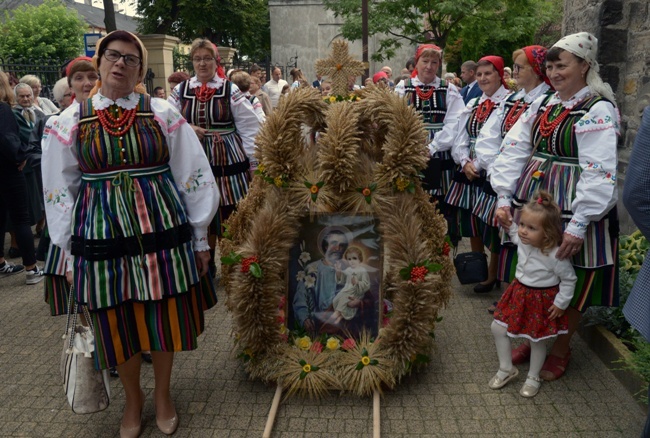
596 134
62 175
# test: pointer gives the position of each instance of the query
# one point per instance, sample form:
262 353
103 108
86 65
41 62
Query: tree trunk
109 16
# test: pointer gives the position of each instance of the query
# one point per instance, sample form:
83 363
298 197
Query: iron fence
48 71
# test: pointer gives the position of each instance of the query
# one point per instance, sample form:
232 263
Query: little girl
533 305
357 283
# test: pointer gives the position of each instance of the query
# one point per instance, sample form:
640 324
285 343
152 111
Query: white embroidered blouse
247 121
489 138
62 175
460 149
443 139
596 134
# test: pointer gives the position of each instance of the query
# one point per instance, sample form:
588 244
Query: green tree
484 26
242 24
49 31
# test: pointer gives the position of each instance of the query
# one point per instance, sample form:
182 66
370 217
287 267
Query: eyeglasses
207 60
516 68
114 56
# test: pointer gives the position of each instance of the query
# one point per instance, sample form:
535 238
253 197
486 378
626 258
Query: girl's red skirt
523 310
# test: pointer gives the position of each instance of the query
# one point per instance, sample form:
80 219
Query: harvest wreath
360 160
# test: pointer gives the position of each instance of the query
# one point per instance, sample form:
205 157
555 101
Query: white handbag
87 388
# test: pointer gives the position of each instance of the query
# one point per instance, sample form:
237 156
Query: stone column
226 54
161 60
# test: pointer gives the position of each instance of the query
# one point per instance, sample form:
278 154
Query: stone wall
623 31
304 28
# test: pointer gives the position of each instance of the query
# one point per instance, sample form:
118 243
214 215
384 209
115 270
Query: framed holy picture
335 272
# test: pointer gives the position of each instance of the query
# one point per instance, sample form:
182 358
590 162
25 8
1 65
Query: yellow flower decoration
401 183
333 344
283 329
306 368
332 99
278 181
261 167
365 360
248 352
303 343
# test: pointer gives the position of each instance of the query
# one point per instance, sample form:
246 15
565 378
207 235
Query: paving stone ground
215 398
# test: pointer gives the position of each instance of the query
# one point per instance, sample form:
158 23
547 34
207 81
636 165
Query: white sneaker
7 269
34 276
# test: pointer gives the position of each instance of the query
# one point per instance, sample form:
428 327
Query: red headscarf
536 56
220 71
418 52
497 62
74 61
378 76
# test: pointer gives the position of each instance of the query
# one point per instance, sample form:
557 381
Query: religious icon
335 276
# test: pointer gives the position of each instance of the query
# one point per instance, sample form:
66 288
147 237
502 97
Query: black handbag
471 267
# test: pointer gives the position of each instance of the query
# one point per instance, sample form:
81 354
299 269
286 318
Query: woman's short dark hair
554 53
118 35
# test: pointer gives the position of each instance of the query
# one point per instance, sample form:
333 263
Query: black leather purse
471 267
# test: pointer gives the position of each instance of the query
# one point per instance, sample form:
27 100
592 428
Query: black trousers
13 201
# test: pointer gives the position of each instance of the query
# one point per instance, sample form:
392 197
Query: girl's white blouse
536 269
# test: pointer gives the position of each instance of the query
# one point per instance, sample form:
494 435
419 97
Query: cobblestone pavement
215 398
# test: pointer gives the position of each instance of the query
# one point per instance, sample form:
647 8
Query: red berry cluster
418 273
446 248
246 263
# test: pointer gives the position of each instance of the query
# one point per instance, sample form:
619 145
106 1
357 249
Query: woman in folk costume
440 105
529 72
81 76
225 122
470 179
567 146
128 200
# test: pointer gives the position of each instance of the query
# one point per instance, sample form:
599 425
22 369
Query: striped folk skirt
230 165
168 325
57 289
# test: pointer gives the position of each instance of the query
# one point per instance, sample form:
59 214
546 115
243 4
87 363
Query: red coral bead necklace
546 128
116 126
514 114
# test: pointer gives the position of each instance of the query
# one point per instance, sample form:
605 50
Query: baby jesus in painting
357 283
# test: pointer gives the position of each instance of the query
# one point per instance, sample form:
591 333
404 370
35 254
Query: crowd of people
526 170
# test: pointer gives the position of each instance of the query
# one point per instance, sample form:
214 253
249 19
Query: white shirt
274 90
489 138
63 176
460 149
536 269
443 139
596 133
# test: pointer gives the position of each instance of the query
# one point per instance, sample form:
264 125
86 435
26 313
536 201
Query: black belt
115 248
231 169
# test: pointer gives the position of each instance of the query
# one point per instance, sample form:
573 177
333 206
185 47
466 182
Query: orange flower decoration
339 66
366 192
314 189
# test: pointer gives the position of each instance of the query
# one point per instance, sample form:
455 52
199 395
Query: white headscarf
585 46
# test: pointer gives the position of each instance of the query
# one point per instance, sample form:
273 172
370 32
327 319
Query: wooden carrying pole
274 410
376 425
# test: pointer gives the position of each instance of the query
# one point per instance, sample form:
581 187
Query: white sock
537 357
504 349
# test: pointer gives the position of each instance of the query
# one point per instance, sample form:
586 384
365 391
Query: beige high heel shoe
134 431
168 427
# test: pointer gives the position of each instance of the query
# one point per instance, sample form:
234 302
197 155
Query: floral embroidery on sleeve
57 197
195 182
597 167
579 225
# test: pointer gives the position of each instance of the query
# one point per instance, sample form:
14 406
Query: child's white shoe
501 378
531 387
